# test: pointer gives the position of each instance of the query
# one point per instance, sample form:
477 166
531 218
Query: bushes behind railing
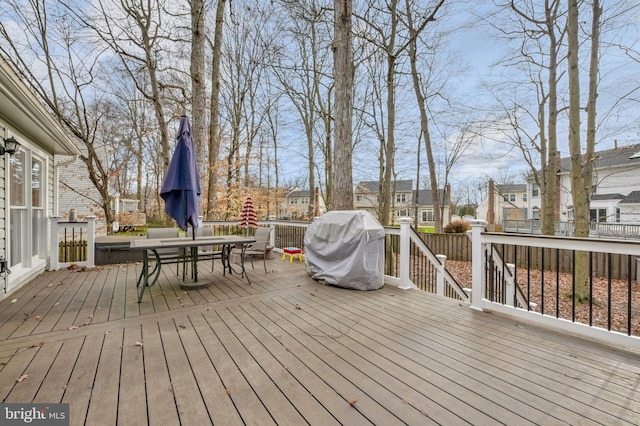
72 251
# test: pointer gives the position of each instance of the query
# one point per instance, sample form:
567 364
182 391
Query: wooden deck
287 350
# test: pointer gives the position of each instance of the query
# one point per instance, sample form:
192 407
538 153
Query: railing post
405 253
53 250
272 234
511 286
477 262
91 241
440 276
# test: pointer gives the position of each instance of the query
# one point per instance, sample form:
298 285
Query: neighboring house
296 205
504 202
616 188
78 192
30 197
405 200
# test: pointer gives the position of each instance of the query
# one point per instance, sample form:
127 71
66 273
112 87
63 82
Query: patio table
149 278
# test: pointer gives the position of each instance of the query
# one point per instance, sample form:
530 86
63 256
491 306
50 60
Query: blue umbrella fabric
181 186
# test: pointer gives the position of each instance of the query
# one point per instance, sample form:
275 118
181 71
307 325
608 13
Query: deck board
238 389
270 370
271 336
497 361
132 380
287 350
214 394
104 392
159 397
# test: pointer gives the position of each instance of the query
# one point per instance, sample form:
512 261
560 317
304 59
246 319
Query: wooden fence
454 246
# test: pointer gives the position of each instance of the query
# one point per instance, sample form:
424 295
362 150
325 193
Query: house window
426 215
535 213
18 202
358 198
598 215
37 210
401 198
617 214
293 201
535 190
524 197
304 201
402 213
27 226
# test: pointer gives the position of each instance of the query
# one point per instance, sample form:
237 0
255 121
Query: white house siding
621 180
25 118
613 179
618 180
630 213
78 192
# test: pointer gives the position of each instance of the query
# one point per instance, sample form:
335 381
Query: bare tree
67 81
343 71
198 78
418 86
542 30
582 163
245 51
302 67
214 117
139 33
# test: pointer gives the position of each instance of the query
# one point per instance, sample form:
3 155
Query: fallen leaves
138 343
352 401
22 378
545 295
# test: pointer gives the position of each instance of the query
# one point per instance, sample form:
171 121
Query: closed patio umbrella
248 217
181 185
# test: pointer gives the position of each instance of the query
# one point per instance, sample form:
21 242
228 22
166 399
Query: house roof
513 187
23 112
601 197
371 186
621 156
425 197
298 193
632 198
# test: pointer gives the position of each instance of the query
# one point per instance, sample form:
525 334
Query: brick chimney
491 208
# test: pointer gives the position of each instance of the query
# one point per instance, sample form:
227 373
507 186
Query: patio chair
211 252
170 255
258 248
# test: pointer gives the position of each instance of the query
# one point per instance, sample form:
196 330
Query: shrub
458 226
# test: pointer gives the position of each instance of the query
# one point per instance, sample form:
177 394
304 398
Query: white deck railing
483 243
77 238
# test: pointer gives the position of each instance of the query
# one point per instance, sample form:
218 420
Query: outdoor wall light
3 267
10 147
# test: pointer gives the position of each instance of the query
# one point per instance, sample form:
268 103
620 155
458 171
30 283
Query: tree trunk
198 83
549 206
343 75
214 121
581 166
